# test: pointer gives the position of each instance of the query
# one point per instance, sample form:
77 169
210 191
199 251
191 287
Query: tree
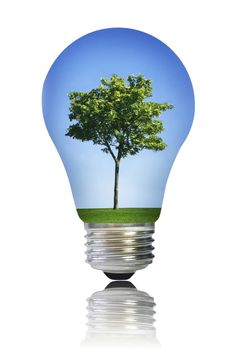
115 116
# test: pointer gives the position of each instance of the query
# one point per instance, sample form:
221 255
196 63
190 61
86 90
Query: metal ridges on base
119 248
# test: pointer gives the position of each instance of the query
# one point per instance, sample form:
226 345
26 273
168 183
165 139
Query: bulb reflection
119 317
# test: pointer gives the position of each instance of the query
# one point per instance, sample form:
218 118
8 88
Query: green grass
122 215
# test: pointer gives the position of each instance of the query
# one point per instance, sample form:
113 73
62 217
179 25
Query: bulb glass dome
118 104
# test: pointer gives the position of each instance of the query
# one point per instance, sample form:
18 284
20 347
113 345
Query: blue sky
79 68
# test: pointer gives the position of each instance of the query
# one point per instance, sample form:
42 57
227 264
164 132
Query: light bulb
121 315
118 104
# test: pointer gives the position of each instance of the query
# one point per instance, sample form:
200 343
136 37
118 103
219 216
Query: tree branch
110 151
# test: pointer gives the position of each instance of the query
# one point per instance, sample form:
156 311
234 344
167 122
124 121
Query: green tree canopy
116 116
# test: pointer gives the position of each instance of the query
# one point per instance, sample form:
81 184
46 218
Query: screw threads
119 248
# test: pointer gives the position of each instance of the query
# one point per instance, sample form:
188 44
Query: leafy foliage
116 116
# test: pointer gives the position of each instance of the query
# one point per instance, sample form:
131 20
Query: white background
44 281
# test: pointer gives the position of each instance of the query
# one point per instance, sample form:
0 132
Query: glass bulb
118 104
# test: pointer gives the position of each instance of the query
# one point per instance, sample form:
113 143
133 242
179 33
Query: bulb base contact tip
119 249
119 276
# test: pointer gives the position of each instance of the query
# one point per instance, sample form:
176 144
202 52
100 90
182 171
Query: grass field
122 215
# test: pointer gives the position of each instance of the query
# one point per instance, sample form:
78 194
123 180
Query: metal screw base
119 249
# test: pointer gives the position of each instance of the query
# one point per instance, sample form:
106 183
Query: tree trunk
117 164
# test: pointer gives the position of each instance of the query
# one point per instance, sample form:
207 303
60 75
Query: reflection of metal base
119 249
121 310
121 317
